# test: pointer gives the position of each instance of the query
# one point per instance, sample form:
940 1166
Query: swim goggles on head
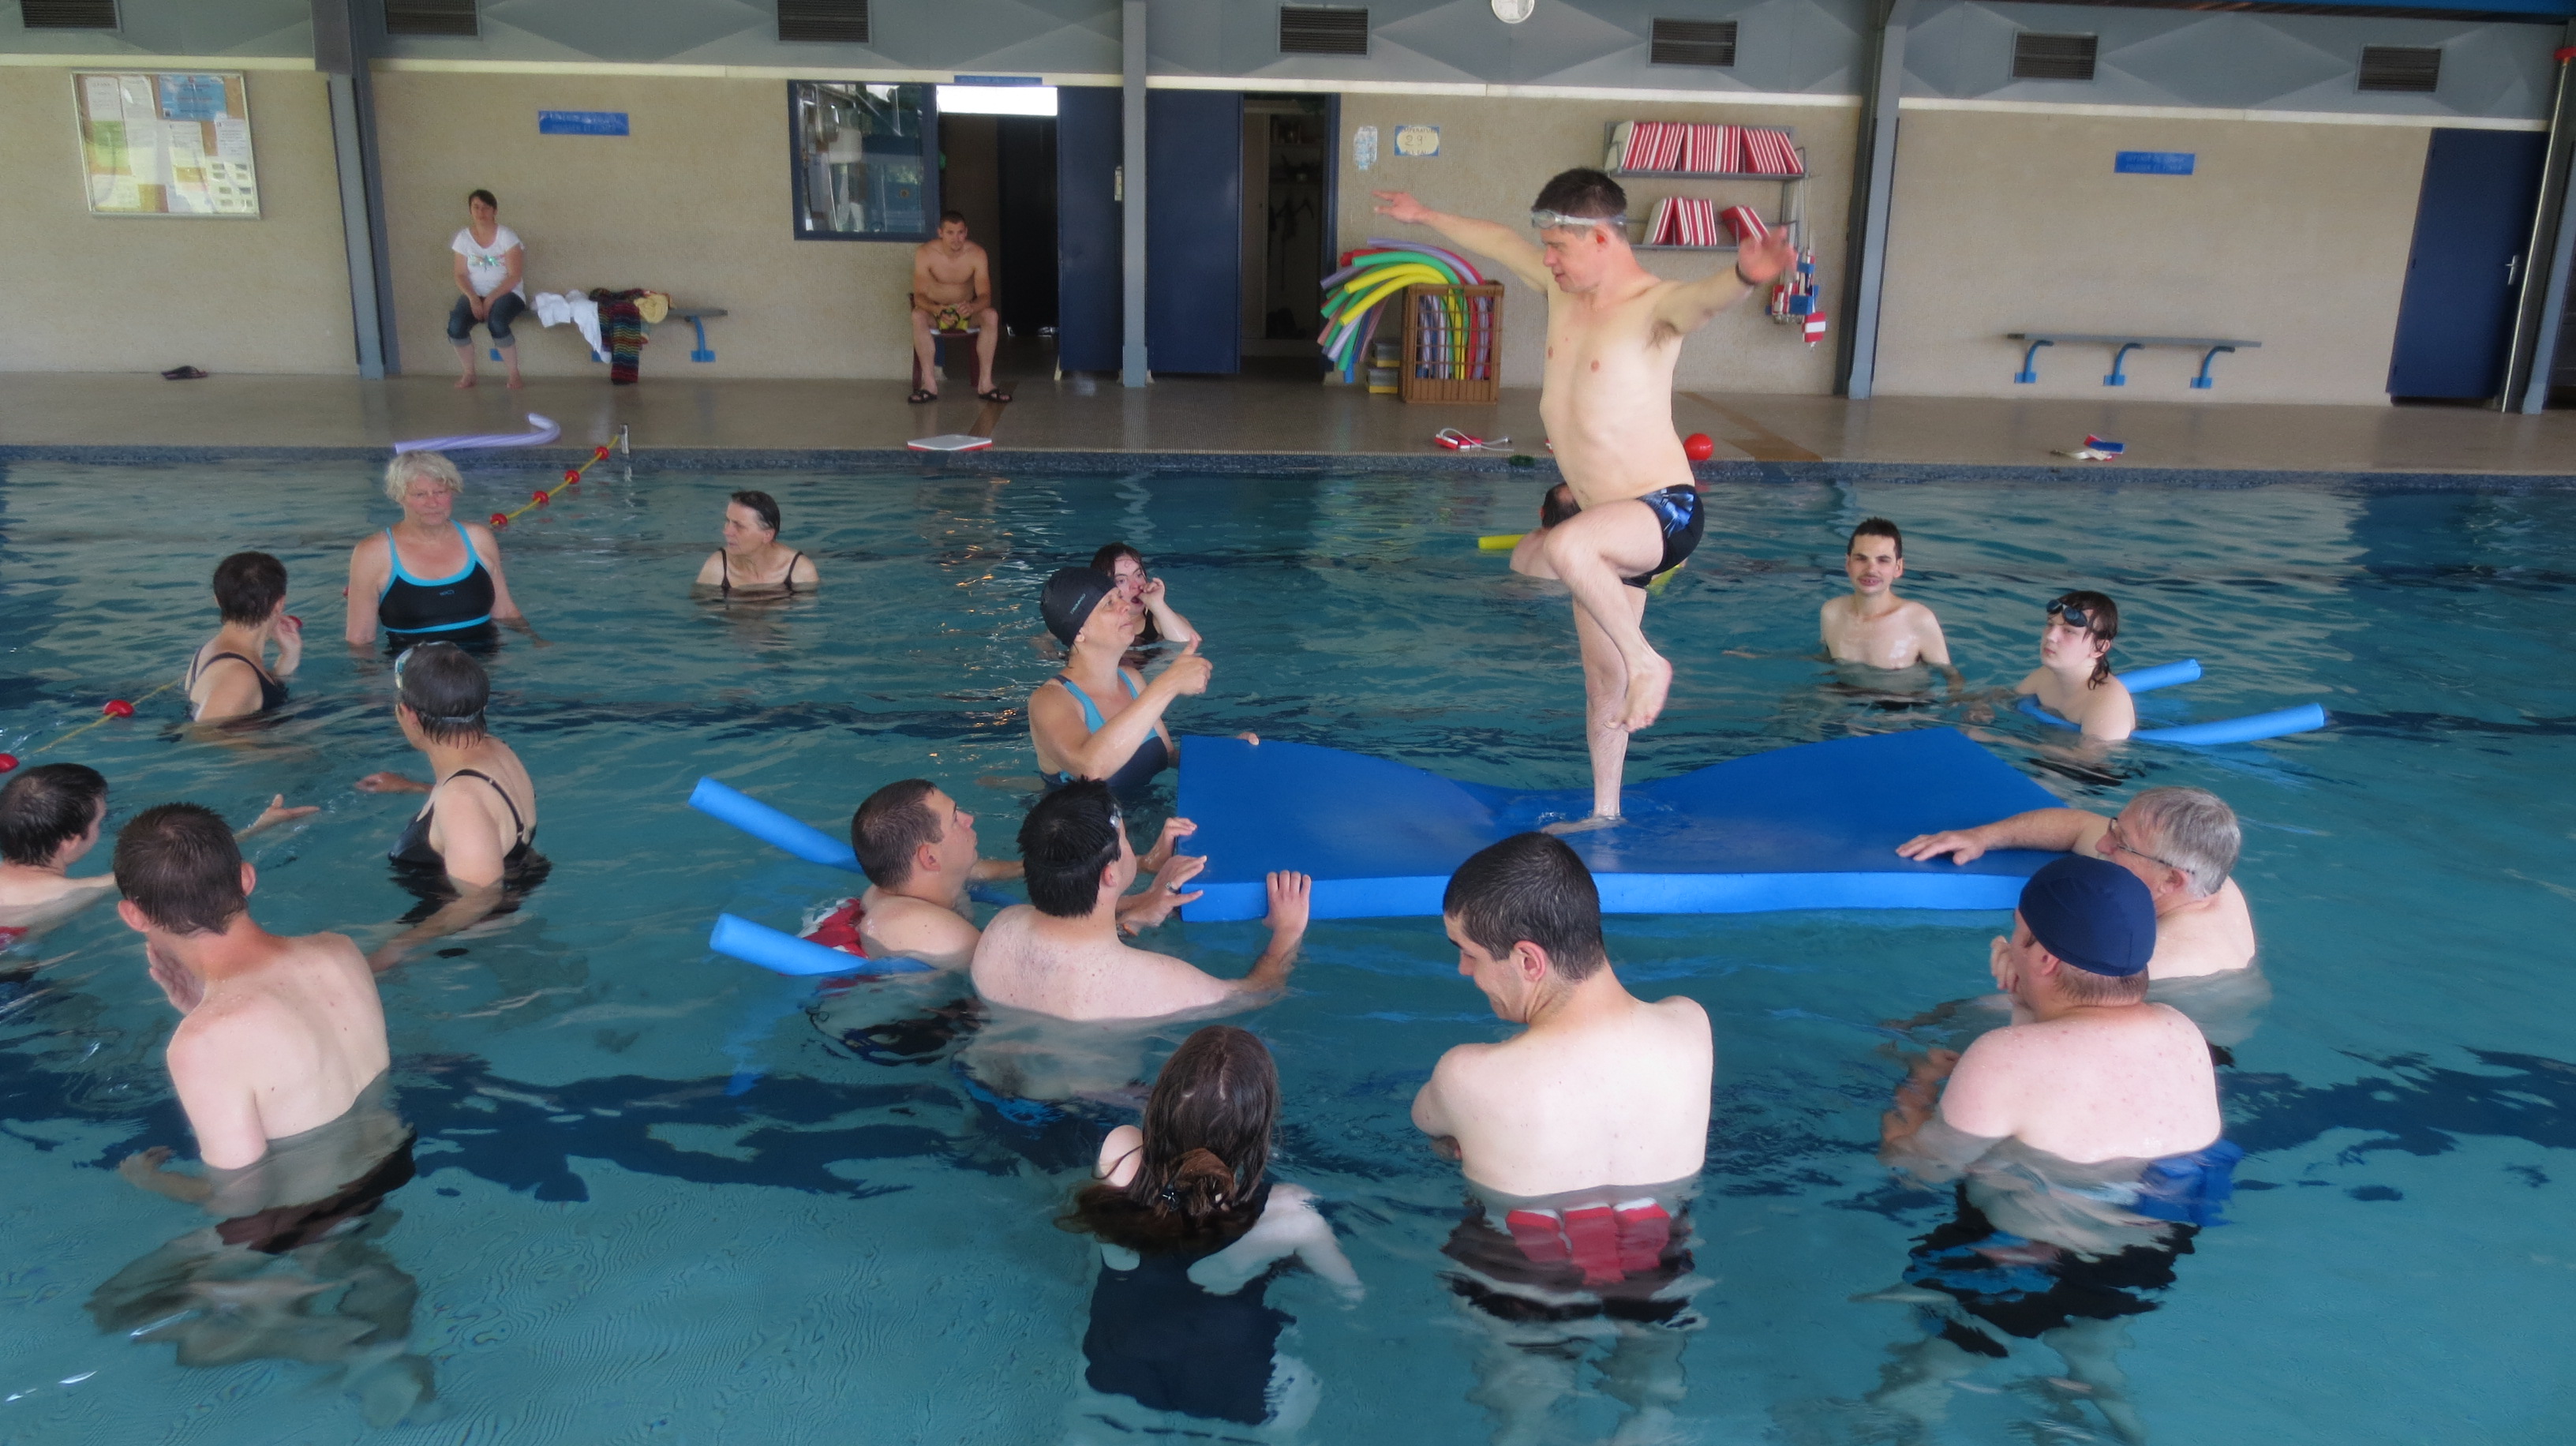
2074 617
1546 220
404 657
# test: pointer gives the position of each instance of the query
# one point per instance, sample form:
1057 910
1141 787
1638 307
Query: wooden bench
2124 343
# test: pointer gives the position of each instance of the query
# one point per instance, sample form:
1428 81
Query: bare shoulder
1681 1010
1916 614
1834 609
370 548
482 538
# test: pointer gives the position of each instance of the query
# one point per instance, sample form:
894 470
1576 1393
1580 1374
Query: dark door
2455 319
1025 152
1193 230
1087 139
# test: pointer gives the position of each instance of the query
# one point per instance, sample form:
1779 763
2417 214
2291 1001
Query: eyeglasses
2111 836
2071 615
1554 220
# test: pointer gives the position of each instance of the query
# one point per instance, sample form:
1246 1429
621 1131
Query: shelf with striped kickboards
1453 344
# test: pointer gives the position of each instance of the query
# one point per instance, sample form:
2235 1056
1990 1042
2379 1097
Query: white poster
232 140
103 102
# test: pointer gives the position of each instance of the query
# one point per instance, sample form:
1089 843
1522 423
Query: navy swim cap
2093 914
1069 598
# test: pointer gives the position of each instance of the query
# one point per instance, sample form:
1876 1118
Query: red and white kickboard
949 442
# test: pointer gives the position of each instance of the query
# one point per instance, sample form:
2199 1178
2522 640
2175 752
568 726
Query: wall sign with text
581 123
166 143
2154 163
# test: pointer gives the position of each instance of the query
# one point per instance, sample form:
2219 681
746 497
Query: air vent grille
2401 67
836 21
1693 42
67 14
1316 30
430 17
2053 57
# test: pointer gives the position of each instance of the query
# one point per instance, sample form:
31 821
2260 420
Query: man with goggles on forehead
1614 333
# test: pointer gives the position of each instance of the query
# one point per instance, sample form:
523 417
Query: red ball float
541 497
1698 447
500 520
118 708
8 761
572 474
599 453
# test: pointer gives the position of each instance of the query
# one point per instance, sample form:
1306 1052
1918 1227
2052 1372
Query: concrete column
1131 357
339 52
2553 247
1873 190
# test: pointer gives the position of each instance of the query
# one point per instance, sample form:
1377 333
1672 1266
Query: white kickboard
949 442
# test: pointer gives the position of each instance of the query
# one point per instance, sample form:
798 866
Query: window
430 17
2053 57
844 21
1693 42
865 160
1315 30
2401 67
67 14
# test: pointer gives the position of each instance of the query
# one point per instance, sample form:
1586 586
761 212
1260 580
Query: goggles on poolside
1545 220
2073 617
2112 834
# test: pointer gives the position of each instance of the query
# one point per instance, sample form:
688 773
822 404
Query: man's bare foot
1582 825
1647 685
515 383
465 381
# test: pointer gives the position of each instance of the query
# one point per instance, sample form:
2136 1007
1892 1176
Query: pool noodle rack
1453 342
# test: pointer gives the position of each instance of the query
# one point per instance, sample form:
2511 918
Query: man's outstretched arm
1486 238
2055 830
1690 306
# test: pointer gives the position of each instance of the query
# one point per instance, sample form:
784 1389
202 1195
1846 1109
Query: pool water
665 1196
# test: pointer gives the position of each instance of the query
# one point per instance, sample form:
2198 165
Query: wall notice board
166 143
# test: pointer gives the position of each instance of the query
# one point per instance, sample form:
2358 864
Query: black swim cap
2093 914
1069 598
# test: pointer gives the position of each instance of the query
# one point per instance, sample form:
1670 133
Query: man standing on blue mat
1614 333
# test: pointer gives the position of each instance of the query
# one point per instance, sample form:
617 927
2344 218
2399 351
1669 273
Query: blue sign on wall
2153 163
581 122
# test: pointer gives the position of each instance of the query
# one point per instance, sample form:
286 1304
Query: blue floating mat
1811 827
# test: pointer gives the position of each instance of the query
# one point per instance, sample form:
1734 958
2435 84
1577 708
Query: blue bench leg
701 354
2203 382
2119 359
496 353
2029 371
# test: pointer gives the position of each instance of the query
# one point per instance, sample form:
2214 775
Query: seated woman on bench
490 263
952 295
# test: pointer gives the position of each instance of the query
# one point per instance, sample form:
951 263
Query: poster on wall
166 143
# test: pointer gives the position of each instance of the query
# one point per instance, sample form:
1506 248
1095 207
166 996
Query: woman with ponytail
1191 1229
2073 679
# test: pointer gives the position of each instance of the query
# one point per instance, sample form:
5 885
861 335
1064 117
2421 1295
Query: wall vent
2053 57
841 21
1317 30
2401 67
430 17
1693 42
67 14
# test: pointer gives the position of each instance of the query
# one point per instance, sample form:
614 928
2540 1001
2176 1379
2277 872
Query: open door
1193 230
2464 276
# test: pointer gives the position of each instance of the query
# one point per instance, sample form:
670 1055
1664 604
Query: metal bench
2123 344
697 317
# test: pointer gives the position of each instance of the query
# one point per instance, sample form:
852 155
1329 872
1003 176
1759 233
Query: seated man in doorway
952 293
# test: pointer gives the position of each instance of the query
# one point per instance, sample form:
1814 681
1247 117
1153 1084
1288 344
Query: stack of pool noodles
1355 297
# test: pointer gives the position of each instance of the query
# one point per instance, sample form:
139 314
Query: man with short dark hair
281 1035
1871 624
1614 333
1060 953
50 817
918 849
952 293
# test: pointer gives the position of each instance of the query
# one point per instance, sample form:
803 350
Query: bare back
1608 395
2205 936
279 1049
1017 964
2131 1082
1619 1097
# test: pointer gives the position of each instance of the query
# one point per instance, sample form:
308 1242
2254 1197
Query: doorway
997 167
1287 229
2464 276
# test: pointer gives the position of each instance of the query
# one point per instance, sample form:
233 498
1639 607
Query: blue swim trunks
1677 511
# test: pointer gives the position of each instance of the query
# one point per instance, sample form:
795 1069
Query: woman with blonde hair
428 576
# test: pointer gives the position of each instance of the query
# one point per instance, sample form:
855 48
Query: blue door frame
2455 319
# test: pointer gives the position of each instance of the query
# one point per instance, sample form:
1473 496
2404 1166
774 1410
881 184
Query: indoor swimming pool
666 1196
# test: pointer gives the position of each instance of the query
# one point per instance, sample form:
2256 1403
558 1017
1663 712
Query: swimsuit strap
725 563
197 667
517 827
1090 710
790 579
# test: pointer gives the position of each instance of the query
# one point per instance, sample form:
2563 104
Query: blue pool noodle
759 944
768 825
2305 718
2161 675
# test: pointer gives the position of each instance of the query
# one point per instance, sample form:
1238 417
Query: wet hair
891 826
1582 192
446 690
762 505
1557 506
409 467
1064 844
486 197
2194 830
180 866
46 807
2077 985
1877 527
2102 620
1106 559
947 216
1530 887
1207 1146
249 586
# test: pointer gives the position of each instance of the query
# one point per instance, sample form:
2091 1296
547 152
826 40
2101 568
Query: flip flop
921 395
183 374
995 395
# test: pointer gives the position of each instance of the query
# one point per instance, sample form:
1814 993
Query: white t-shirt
486 265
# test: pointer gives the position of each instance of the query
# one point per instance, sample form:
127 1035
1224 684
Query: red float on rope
8 761
572 474
500 520
599 453
118 708
541 497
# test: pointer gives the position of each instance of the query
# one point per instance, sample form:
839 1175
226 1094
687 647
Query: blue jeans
505 309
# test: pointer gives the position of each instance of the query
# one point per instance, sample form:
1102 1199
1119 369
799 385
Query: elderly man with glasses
2180 842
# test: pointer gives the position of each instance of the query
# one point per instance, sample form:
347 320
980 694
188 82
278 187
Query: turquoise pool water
664 1196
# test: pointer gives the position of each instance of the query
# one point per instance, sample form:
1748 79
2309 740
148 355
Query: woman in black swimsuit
1191 1231
227 678
428 576
752 560
472 848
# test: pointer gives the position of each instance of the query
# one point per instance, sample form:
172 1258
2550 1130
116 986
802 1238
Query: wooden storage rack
1453 344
